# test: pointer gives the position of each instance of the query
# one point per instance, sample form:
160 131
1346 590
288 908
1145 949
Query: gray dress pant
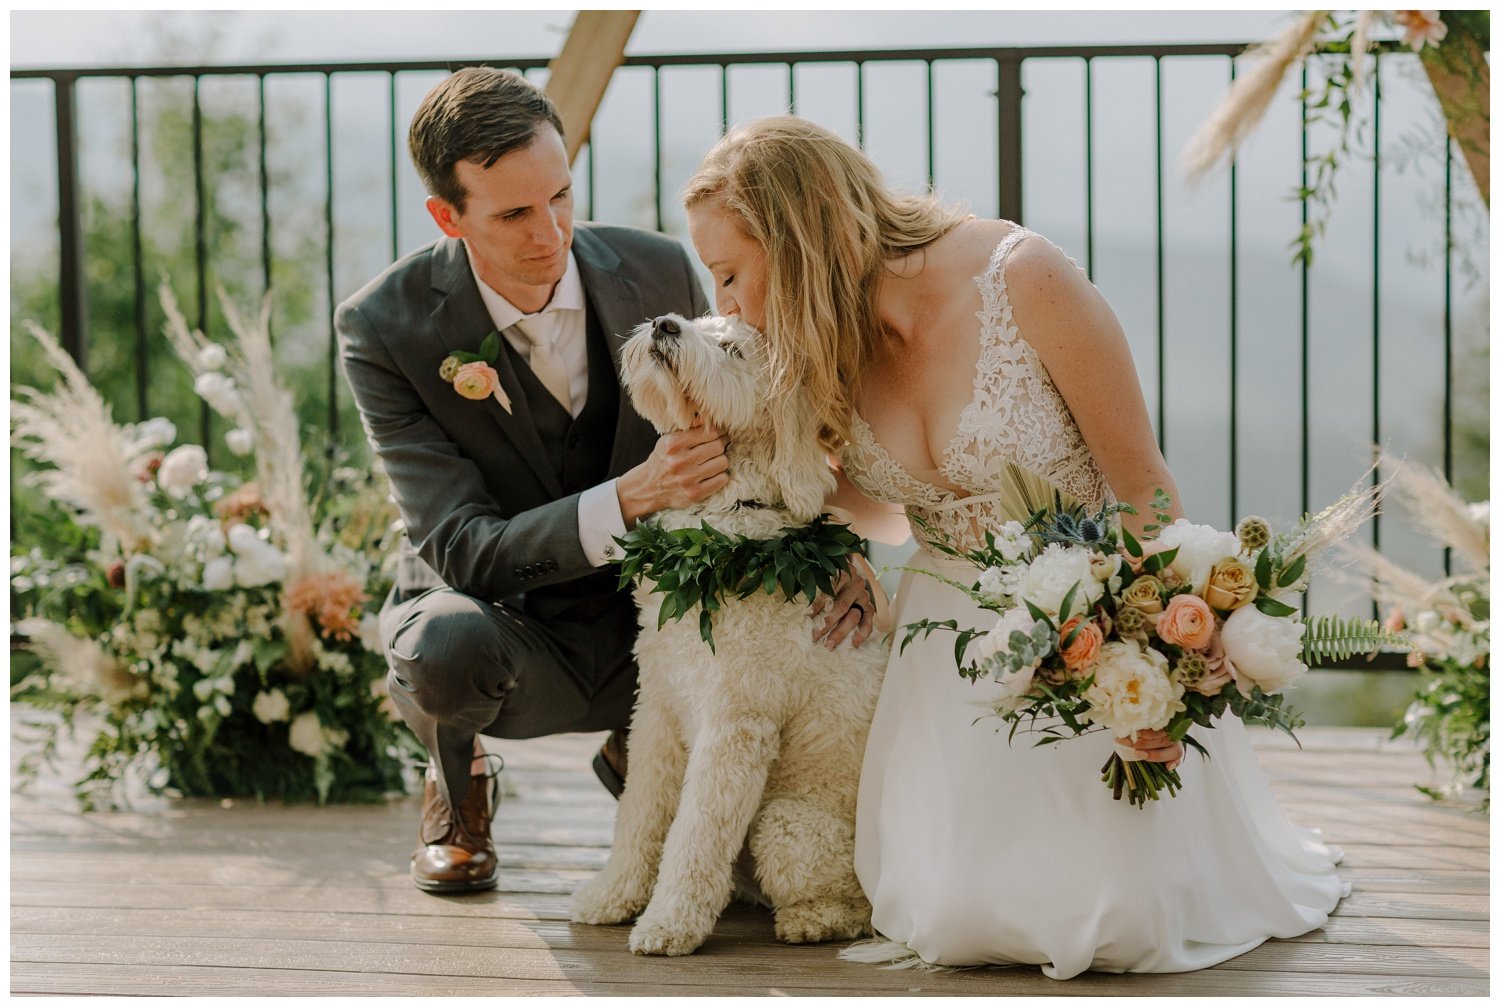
460 667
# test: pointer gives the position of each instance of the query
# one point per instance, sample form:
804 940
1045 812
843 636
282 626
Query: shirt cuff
600 522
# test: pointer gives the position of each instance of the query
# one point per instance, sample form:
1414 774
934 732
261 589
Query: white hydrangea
992 584
1012 541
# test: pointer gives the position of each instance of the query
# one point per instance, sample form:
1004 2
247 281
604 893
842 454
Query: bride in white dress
965 368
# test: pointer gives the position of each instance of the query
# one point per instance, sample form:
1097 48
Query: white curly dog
762 739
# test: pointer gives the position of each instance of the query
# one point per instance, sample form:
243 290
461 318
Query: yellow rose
1231 584
1144 595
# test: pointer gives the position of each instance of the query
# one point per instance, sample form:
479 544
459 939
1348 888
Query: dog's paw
603 901
655 934
815 922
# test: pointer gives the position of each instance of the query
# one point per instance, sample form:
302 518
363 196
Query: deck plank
204 898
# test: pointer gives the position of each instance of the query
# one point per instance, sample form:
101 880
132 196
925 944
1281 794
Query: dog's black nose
664 327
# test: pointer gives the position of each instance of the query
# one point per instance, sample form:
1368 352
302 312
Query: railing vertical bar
1234 329
723 98
656 145
791 88
72 282
1447 326
200 248
1088 165
1305 367
1375 432
931 131
859 103
1010 127
1161 285
333 401
395 176
588 210
138 274
265 197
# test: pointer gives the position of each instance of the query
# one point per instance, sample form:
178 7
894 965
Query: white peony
241 442
998 639
212 357
218 574
1132 690
182 469
307 735
219 392
156 432
1051 575
1198 547
272 706
1265 650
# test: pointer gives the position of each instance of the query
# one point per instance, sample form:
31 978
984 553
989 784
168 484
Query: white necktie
548 367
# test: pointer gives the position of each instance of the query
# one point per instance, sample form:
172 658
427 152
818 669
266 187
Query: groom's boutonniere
471 375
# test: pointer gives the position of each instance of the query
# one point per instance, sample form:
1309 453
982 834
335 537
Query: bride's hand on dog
685 466
851 615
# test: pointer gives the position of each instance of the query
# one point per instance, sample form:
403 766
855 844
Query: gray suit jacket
483 508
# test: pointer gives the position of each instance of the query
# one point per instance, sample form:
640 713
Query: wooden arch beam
579 76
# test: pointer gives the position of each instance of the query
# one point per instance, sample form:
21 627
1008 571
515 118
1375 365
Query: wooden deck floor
195 898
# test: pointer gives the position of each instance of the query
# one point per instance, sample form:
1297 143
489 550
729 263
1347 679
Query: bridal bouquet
216 636
1098 630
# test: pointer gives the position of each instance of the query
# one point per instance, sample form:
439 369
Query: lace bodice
1014 434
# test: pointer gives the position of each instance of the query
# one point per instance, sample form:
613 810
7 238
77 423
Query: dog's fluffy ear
799 468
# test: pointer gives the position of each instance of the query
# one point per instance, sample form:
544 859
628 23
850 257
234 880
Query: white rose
264 566
241 441
272 706
1265 650
1012 541
218 574
1050 576
1198 547
212 357
307 736
219 392
156 432
1132 690
182 469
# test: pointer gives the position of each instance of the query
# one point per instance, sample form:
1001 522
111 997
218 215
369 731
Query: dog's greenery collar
702 566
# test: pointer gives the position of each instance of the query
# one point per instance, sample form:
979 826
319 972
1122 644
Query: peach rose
477 380
1084 650
1187 622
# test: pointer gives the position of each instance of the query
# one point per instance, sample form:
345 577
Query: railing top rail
670 59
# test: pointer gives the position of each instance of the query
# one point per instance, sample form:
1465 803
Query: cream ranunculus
270 707
307 735
1231 585
182 469
1132 690
1265 650
1198 547
1051 575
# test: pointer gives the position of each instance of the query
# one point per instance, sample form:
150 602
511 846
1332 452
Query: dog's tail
891 955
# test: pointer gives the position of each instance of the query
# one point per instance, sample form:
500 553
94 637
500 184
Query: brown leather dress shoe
456 852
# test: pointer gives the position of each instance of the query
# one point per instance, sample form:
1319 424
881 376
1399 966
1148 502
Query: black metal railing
1005 87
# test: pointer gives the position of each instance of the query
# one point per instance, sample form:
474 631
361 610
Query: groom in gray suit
514 475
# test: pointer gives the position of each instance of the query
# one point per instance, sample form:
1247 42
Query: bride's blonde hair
828 224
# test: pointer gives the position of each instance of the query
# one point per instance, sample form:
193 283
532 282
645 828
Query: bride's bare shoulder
966 250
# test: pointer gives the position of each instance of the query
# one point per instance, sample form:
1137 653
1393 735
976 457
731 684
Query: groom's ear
445 215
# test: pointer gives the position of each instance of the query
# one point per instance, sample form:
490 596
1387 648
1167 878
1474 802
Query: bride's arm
1080 342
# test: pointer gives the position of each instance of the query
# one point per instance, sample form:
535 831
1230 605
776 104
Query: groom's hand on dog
686 466
851 615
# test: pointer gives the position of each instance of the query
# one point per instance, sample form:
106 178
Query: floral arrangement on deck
216 637
1448 622
1097 630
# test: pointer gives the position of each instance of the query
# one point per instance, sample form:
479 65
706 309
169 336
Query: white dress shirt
563 321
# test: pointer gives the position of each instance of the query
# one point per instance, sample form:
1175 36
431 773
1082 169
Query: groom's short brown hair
478 114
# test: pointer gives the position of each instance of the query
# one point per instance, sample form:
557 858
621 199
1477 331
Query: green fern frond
1330 638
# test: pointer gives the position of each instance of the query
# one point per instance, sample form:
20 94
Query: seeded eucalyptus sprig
702 566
